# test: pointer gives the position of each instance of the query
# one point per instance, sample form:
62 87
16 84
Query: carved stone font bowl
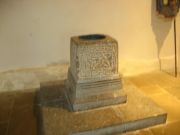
92 37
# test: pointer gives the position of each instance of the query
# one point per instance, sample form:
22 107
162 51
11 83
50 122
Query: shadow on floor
17 113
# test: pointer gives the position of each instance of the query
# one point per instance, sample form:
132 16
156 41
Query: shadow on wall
160 27
178 42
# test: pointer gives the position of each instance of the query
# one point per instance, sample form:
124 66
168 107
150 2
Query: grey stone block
139 112
94 94
98 100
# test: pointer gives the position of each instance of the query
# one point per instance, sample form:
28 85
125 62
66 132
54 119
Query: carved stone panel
94 59
93 78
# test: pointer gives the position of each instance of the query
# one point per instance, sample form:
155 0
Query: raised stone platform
54 117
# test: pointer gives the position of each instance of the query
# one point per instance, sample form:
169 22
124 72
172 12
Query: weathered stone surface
30 79
82 96
93 60
139 112
93 72
94 87
94 101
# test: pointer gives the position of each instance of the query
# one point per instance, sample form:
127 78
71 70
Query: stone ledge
100 100
32 78
139 112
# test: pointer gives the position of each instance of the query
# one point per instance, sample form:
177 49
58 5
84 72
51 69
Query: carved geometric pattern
93 59
97 61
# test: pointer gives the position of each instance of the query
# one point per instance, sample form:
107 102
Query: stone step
100 100
93 88
99 83
139 112
92 91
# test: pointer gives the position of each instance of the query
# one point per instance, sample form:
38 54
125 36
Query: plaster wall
178 41
35 33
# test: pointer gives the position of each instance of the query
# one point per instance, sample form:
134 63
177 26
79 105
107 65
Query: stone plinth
55 119
93 78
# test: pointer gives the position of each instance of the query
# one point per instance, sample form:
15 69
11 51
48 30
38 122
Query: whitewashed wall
35 33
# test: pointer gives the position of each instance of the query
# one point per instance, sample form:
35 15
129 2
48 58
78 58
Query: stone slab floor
17 92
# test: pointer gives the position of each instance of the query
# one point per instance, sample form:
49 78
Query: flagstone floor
17 106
